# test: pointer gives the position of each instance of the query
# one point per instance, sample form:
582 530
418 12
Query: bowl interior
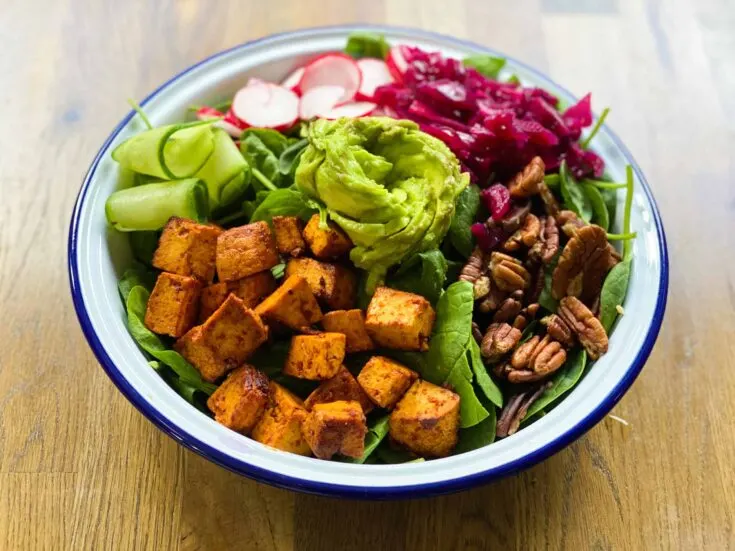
99 255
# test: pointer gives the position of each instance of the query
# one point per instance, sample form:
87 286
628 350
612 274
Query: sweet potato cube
336 427
288 235
343 386
327 243
315 357
335 286
426 420
241 399
173 304
224 341
292 304
280 425
187 248
251 290
245 251
352 324
396 319
385 381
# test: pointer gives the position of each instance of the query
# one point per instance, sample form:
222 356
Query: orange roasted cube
336 427
335 286
288 235
396 319
292 304
173 304
224 341
327 243
385 381
426 420
187 248
245 250
352 324
241 399
280 425
315 357
343 386
251 290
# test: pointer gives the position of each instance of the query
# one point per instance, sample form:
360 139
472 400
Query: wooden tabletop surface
81 469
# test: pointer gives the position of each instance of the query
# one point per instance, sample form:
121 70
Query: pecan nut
499 340
558 329
513 220
551 205
582 265
525 236
536 359
515 410
508 273
547 245
526 182
571 223
525 316
586 326
509 308
474 267
493 299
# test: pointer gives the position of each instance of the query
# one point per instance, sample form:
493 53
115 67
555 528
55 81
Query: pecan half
525 316
527 235
558 329
493 299
515 410
508 273
537 285
509 308
526 182
581 320
474 267
547 245
571 223
536 359
499 340
551 205
582 265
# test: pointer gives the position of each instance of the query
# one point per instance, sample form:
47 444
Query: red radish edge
229 124
293 79
266 105
352 110
319 100
375 73
332 69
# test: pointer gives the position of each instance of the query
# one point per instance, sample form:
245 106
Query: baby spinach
262 149
144 244
185 390
562 381
601 216
478 436
484 381
367 44
388 454
545 298
573 194
613 292
284 202
377 431
486 65
423 273
137 276
289 159
628 245
465 211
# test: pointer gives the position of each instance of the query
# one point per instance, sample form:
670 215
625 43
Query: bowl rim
191 442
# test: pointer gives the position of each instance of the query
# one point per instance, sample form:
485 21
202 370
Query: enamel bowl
98 256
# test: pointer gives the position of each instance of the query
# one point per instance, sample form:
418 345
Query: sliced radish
375 73
351 110
396 61
292 81
332 69
229 124
266 105
319 100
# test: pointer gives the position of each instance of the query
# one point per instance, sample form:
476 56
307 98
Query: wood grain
80 468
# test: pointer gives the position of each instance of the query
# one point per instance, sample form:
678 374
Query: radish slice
375 73
292 81
333 69
266 105
229 124
319 100
396 61
351 110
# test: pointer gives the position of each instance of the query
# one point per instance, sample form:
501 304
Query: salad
390 256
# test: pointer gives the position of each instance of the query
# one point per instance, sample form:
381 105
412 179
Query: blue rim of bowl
339 490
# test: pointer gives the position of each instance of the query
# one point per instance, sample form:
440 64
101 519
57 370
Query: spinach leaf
478 436
513 79
545 299
486 65
423 273
366 44
134 277
270 360
390 455
628 244
289 159
471 410
284 202
599 208
278 270
272 139
562 381
528 332
573 195
377 431
465 211
484 381
454 267
610 196
613 293
262 149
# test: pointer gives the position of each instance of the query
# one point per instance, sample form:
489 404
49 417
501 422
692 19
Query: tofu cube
327 243
187 248
173 304
351 323
343 386
280 425
245 251
335 286
251 290
315 357
336 427
426 420
289 240
241 399
292 304
396 319
224 341
385 381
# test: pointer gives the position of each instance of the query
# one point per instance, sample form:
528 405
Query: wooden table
80 468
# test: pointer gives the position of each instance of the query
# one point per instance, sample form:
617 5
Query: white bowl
98 256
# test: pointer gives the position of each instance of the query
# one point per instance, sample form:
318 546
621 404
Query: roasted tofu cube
385 381
289 240
292 304
245 251
187 248
224 341
426 420
343 386
335 286
352 324
396 319
280 425
336 427
315 357
329 243
173 304
251 290
241 399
